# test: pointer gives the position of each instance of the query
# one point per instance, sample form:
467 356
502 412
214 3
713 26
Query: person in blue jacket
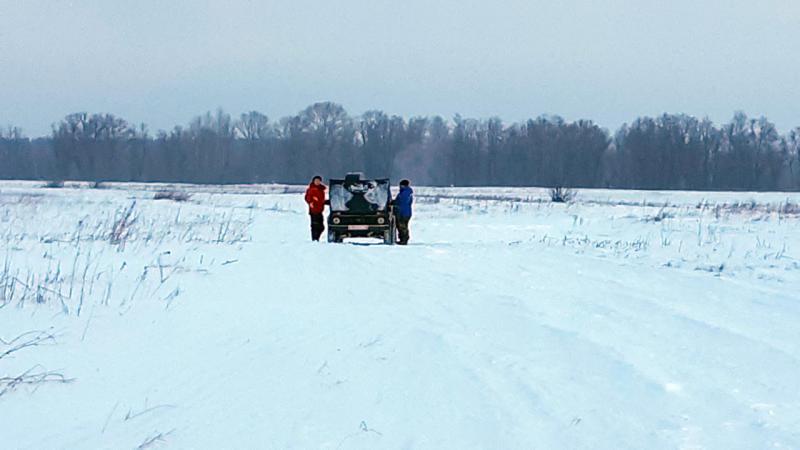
402 210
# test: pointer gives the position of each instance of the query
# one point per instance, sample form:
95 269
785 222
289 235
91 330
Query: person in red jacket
315 198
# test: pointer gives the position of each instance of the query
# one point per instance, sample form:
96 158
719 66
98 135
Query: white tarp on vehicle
360 196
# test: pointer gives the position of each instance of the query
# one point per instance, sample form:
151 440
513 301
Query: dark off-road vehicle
361 208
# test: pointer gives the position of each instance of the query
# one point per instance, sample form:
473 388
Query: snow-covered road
504 325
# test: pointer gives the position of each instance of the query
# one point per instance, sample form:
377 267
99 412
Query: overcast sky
163 62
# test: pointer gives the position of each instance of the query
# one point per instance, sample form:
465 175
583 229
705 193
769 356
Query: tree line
665 152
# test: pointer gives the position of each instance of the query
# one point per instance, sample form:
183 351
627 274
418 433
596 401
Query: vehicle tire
390 235
332 237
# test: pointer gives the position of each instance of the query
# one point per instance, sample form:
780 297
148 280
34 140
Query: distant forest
665 152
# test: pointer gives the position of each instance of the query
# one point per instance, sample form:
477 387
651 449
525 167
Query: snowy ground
623 320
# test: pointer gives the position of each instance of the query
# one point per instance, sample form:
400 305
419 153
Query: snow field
622 320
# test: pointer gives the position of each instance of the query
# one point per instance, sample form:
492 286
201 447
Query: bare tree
664 152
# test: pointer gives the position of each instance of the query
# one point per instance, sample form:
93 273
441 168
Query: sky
164 62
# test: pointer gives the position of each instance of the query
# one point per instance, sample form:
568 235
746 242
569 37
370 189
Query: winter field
625 319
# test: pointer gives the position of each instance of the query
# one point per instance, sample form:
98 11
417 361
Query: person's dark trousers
402 230
317 226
